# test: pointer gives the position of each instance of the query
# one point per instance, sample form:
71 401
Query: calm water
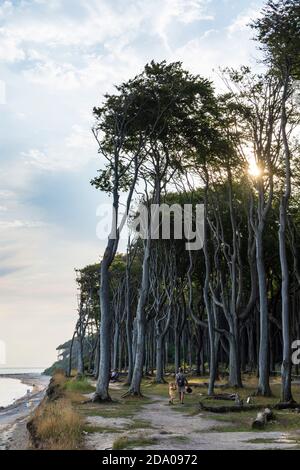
13 389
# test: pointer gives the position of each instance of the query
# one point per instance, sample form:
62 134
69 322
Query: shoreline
13 418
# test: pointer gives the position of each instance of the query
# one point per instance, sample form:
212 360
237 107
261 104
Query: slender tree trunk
286 367
129 335
234 367
208 306
176 350
80 364
70 355
159 359
135 386
115 348
251 358
102 393
235 377
263 361
97 359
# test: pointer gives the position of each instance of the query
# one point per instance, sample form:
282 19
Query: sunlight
253 169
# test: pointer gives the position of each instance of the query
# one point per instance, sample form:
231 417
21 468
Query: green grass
125 442
139 424
117 408
242 422
99 429
81 385
128 407
260 440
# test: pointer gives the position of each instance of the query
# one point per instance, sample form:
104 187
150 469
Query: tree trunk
263 383
234 364
176 350
135 386
116 346
70 355
211 330
286 391
102 393
129 335
159 359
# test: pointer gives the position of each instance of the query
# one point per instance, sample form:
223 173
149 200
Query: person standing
181 382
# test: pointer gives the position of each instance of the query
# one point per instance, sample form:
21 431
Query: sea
11 389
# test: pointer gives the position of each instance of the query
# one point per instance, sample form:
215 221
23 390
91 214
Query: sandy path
13 419
173 430
188 432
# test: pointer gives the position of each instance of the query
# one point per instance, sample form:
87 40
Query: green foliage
278 31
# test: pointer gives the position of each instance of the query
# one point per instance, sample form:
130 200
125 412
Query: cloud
184 11
7 194
243 20
57 59
6 270
6 9
16 224
49 73
79 148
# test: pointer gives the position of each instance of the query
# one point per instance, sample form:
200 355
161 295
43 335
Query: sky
57 59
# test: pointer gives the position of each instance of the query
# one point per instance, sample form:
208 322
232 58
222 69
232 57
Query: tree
120 134
278 31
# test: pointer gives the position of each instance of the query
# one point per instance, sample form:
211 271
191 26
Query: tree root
98 399
132 394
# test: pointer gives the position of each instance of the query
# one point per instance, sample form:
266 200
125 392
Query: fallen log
222 396
262 418
246 407
286 405
229 408
206 385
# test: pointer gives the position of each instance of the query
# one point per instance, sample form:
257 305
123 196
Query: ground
154 424
13 419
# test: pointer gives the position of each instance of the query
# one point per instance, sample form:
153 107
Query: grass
119 407
234 422
81 385
125 442
60 423
90 429
139 424
57 426
242 422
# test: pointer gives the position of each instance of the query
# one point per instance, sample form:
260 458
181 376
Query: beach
13 418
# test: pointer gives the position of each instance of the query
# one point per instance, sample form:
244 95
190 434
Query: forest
168 138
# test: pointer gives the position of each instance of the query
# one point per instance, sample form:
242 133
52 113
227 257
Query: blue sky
57 58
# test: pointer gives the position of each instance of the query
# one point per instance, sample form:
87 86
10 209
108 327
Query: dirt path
167 428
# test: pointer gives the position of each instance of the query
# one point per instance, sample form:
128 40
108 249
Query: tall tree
121 138
278 30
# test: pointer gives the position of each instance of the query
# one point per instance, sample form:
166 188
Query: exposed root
132 394
98 399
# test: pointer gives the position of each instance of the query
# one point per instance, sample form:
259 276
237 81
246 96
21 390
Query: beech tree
278 32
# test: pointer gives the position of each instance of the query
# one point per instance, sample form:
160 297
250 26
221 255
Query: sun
254 169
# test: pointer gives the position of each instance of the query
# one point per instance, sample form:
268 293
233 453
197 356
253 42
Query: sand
13 419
